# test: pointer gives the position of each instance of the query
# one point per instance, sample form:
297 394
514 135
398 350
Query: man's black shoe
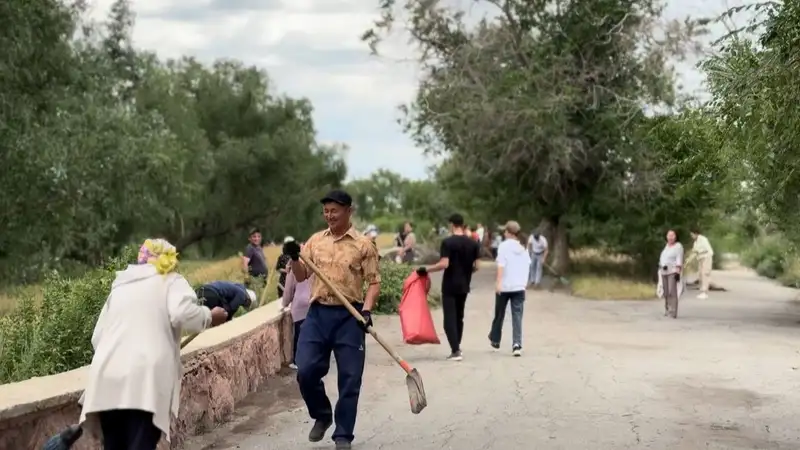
318 430
343 445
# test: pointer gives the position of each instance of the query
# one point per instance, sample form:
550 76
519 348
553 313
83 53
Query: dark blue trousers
331 329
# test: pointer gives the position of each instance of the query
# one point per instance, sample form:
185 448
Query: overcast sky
311 48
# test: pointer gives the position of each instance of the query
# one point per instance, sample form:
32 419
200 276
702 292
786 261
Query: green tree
102 145
754 93
536 106
388 199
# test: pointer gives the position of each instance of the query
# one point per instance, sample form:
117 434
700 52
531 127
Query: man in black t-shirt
459 260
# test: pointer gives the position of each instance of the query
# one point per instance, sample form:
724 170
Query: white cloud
312 48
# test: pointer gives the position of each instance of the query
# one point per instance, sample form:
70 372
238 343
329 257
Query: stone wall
221 367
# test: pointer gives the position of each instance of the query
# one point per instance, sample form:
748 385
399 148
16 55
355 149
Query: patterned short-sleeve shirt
348 262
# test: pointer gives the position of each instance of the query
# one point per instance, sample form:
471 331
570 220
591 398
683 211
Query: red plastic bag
415 316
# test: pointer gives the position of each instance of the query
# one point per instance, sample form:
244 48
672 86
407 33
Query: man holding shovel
347 259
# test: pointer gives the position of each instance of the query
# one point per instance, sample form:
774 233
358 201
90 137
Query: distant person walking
513 266
407 253
705 261
134 381
254 263
459 260
226 295
670 265
496 241
350 261
281 264
297 297
481 233
538 248
399 243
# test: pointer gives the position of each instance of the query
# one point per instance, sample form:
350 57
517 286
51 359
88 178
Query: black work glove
367 321
293 250
422 271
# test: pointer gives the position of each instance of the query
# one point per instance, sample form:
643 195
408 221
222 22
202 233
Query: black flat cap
338 196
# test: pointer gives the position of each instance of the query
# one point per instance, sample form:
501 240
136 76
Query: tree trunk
557 235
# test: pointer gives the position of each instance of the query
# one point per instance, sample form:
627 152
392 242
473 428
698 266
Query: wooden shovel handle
188 339
339 296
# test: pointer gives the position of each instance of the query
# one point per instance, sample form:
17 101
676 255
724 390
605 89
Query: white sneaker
702 296
293 366
517 351
455 356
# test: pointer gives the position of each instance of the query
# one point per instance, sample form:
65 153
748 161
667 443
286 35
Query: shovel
416 391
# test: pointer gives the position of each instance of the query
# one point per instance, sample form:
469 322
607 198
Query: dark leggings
129 429
297 326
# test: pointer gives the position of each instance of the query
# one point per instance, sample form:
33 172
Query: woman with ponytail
135 377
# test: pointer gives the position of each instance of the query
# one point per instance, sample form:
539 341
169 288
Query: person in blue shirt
226 295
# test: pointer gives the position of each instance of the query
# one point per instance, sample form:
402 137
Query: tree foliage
755 93
102 145
540 108
387 199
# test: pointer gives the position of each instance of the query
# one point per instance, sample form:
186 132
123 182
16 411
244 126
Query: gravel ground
594 375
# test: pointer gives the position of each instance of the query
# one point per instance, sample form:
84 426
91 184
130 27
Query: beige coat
136 340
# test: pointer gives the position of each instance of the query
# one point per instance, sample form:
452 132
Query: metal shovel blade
416 392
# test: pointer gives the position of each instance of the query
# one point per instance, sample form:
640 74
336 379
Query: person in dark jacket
226 295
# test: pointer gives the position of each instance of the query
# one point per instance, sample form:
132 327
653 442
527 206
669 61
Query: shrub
767 255
791 272
773 256
55 336
392 277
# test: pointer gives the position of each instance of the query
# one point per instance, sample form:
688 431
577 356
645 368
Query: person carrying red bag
459 260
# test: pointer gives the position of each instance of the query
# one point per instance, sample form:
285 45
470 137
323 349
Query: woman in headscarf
135 376
670 282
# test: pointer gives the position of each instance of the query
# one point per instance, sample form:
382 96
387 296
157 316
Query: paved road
594 375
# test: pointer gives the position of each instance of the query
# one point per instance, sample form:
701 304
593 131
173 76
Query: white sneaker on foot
455 356
293 366
702 296
517 351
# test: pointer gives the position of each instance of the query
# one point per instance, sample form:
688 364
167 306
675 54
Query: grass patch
601 276
195 271
385 240
611 287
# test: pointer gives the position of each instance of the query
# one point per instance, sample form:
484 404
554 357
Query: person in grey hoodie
513 266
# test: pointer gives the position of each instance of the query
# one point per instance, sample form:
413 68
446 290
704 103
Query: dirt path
595 375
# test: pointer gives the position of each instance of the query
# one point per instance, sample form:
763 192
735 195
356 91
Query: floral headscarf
159 253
